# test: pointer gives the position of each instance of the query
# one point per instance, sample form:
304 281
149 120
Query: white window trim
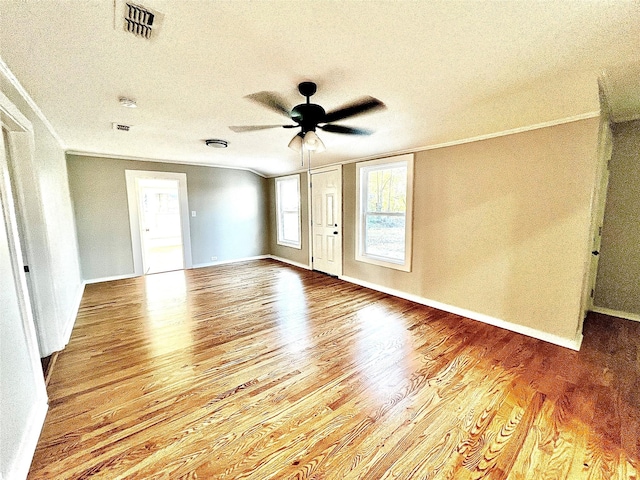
279 240
360 224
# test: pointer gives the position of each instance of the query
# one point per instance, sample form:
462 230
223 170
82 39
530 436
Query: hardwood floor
264 371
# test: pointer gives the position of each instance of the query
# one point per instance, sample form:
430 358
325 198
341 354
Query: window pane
290 227
288 209
384 199
289 195
387 189
385 236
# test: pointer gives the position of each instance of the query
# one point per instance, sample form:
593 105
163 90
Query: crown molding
88 153
6 72
453 143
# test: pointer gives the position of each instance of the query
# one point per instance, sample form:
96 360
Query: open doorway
160 226
159 221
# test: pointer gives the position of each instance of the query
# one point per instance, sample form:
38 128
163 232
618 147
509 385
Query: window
288 210
384 206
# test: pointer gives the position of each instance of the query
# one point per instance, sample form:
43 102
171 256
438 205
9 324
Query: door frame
19 127
13 120
134 214
312 172
598 203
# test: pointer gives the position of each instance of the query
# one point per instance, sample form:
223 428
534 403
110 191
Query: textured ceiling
446 70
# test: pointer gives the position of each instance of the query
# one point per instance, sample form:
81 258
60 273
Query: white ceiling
446 70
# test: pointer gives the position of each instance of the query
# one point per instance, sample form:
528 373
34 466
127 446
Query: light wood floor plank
260 370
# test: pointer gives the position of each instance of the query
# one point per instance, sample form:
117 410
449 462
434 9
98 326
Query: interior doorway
160 226
326 220
159 221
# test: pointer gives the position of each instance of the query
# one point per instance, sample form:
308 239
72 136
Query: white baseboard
197 265
225 262
109 279
616 313
290 262
19 467
573 344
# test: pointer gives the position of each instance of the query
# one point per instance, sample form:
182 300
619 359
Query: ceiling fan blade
251 128
362 105
272 101
347 130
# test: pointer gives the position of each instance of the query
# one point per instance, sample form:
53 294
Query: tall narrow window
384 199
288 211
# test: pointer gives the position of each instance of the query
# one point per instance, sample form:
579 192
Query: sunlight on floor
168 313
292 309
381 349
164 258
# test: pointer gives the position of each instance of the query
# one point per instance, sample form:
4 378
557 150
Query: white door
160 226
326 220
605 148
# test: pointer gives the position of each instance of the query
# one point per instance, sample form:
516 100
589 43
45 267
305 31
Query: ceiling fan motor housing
308 116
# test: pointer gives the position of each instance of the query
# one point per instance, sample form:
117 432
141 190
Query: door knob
335 233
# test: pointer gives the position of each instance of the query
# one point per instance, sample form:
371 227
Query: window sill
404 267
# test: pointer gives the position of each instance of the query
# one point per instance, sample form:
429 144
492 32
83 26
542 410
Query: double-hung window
384 208
288 211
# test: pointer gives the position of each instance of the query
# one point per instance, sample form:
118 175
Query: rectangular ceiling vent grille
121 127
140 21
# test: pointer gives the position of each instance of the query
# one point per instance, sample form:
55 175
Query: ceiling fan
310 116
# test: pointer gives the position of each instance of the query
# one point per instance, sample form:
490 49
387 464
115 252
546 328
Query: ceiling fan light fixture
312 142
296 143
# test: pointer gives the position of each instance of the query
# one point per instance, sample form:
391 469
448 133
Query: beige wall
501 227
618 279
293 254
230 223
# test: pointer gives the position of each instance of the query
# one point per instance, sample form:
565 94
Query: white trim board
110 279
12 116
225 262
15 83
496 322
616 313
198 265
88 153
462 141
290 262
28 442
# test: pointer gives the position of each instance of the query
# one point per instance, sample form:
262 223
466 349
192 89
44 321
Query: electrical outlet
213 259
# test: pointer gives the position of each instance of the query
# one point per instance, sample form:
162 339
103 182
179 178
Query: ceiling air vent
121 127
141 21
